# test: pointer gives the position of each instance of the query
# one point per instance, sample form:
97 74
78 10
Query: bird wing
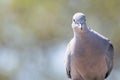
68 60
109 58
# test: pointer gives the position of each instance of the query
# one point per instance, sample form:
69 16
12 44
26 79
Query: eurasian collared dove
89 55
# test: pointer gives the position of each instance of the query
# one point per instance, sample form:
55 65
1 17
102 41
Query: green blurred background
34 35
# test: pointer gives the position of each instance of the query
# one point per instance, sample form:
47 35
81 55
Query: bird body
88 55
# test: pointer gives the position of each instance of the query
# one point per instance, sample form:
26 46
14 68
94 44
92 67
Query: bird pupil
74 20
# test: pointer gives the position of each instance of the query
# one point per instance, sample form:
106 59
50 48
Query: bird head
78 20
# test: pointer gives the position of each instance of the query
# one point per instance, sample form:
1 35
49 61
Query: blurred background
34 35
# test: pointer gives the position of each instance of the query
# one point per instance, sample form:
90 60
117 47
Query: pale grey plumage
89 55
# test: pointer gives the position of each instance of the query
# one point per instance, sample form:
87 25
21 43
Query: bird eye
73 20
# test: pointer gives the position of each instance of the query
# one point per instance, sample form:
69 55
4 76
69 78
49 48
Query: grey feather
68 60
89 55
109 58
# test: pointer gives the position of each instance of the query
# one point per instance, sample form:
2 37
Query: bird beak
79 25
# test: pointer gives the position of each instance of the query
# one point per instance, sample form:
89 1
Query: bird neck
78 32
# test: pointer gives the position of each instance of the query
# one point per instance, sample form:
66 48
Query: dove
89 55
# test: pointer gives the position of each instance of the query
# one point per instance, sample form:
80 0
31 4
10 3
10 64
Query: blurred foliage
40 17
3 77
47 19
27 25
108 8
